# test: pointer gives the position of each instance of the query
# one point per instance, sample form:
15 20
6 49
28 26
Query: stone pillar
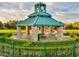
34 33
27 31
42 29
19 32
60 33
50 29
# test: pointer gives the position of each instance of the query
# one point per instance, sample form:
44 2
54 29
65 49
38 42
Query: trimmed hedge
72 34
56 43
11 41
21 48
6 34
38 43
7 50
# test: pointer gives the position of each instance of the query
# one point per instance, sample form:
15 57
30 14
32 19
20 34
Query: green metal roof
40 18
40 21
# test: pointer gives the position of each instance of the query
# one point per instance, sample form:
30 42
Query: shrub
66 33
6 34
11 41
37 43
38 48
7 50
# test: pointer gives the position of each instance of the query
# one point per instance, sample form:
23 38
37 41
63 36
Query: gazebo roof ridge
35 20
45 14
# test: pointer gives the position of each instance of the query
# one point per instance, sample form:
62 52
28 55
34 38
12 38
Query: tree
1 25
76 25
11 24
69 26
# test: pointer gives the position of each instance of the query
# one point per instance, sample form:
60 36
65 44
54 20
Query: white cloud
66 16
12 10
11 14
76 10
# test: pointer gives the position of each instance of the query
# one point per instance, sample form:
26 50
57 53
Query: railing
67 51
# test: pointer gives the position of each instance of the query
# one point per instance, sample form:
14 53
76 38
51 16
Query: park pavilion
40 25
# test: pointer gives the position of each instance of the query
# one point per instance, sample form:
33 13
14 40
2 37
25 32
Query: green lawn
9 31
76 31
14 31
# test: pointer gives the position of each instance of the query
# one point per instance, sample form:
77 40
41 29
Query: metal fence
39 52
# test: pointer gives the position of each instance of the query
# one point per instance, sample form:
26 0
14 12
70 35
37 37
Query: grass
76 31
13 31
10 31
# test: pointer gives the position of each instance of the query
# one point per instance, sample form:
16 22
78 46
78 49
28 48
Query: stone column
42 29
34 33
50 28
60 33
18 32
27 31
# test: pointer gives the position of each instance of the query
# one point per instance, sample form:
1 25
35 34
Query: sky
62 11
